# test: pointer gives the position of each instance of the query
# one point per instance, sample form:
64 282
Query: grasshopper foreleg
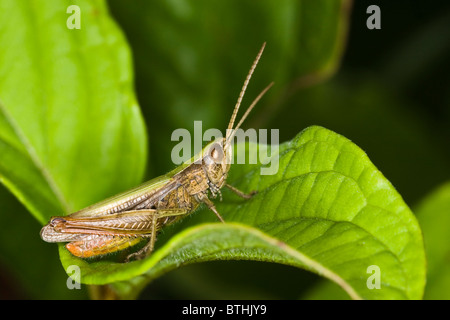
212 207
239 192
204 198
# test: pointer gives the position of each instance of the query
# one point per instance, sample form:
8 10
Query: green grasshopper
128 218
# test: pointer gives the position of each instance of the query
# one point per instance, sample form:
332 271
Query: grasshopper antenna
249 110
241 94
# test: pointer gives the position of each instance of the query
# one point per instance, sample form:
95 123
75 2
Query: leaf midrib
33 157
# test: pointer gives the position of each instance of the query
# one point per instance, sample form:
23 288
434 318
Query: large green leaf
327 209
433 214
71 131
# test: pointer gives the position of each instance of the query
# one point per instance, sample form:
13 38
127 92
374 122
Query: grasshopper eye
216 153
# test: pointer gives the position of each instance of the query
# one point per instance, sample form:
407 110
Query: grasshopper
128 218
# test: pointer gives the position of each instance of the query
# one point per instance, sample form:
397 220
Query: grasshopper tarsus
143 252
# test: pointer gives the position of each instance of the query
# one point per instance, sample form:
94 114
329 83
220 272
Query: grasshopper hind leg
148 248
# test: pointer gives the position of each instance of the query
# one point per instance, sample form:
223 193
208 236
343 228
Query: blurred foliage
434 217
191 57
390 95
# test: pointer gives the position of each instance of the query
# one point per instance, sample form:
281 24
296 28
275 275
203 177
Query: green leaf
434 216
327 209
71 131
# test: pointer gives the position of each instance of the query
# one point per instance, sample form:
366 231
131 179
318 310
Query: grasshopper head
217 157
